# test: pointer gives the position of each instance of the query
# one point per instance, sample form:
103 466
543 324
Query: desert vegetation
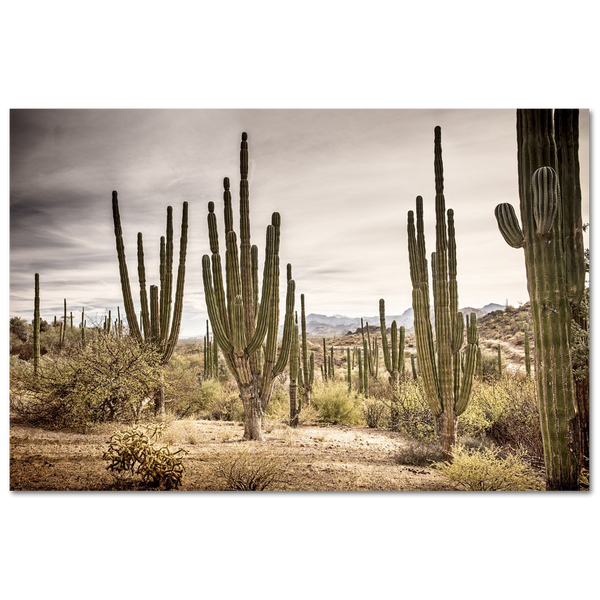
458 402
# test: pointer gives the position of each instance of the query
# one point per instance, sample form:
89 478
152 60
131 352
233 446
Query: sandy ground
319 458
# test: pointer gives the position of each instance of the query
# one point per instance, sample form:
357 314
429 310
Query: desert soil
319 458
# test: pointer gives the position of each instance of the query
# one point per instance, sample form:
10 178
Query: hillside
501 325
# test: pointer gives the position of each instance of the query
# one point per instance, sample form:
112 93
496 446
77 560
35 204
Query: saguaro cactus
36 325
393 359
447 390
552 240
240 322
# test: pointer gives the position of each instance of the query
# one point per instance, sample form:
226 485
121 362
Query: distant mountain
338 325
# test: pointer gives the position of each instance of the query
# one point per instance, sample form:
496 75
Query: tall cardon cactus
295 404
160 318
447 390
240 320
550 234
307 376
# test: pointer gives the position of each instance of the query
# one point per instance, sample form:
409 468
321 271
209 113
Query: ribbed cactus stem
361 382
446 388
308 371
550 206
349 369
527 346
413 365
36 324
294 370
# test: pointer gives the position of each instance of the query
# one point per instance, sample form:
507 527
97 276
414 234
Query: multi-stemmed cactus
550 234
241 321
160 319
447 390
394 361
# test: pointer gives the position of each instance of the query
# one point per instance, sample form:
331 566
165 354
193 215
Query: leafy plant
336 404
486 470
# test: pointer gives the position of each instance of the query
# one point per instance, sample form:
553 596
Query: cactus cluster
328 364
241 321
447 389
160 318
550 233
393 356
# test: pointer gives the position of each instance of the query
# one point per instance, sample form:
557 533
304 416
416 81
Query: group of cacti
246 326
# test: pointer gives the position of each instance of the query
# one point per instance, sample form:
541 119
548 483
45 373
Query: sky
342 180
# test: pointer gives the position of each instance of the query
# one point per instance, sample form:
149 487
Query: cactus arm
211 305
245 246
154 315
178 307
145 320
123 274
232 274
288 324
394 341
239 337
466 386
167 298
262 322
401 345
545 199
387 359
254 257
508 224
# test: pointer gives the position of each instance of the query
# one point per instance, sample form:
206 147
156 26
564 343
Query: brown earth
319 458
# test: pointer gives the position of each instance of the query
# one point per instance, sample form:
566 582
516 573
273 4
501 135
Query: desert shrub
374 412
278 408
183 385
336 404
135 453
506 413
489 363
246 471
110 379
487 470
415 416
418 454
224 406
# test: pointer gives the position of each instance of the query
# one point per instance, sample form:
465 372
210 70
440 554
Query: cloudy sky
343 181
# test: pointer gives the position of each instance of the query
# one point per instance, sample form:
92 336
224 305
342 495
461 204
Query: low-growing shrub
336 405
374 412
414 415
418 454
247 471
134 453
487 470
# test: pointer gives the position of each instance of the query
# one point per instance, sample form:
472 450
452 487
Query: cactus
349 369
240 322
527 345
550 234
83 340
325 364
446 390
499 362
63 330
308 365
294 372
413 365
361 381
36 325
161 321
393 357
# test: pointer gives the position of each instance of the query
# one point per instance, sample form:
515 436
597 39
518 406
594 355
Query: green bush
279 405
415 416
486 470
134 452
336 405
506 413
110 379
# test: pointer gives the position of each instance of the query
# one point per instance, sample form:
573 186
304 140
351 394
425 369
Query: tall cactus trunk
552 241
447 389
253 411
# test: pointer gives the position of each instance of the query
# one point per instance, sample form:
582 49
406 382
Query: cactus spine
552 240
446 390
36 325
240 322
393 358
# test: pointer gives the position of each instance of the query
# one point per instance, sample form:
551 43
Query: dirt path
313 458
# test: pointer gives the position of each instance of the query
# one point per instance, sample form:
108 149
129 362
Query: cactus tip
244 137
211 207
226 183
